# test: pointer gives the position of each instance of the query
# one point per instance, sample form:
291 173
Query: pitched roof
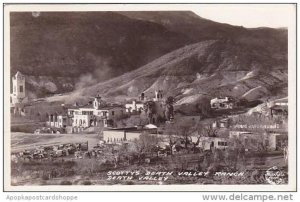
151 126
279 107
89 106
18 74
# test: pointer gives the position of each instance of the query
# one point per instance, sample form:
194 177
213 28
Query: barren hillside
209 68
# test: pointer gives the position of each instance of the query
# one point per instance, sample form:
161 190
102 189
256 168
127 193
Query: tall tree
150 110
147 143
204 108
169 109
172 135
182 129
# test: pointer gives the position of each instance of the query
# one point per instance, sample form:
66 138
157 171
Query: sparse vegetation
65 182
87 182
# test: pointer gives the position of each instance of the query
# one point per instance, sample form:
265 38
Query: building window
267 143
112 113
222 143
21 89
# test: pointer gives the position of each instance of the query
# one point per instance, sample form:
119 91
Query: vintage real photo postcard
150 97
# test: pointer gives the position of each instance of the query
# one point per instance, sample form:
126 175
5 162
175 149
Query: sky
249 16
246 15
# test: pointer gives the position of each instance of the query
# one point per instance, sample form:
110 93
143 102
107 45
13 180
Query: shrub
86 182
65 182
28 128
45 177
129 183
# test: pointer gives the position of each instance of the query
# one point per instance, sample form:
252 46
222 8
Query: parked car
59 153
78 155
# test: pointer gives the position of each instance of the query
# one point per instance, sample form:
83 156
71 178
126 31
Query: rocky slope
205 69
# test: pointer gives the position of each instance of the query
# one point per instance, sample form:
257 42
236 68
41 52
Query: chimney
156 94
142 96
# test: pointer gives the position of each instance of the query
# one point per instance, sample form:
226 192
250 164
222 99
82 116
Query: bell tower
18 82
158 95
98 102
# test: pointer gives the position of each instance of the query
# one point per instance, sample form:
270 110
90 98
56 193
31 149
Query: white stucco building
93 114
18 88
135 106
158 95
222 103
81 120
115 135
58 121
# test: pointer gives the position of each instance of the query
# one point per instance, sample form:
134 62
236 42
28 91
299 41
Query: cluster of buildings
275 109
98 113
251 141
139 105
101 113
270 140
134 106
77 118
222 103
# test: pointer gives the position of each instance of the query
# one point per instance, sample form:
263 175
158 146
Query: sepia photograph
191 97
